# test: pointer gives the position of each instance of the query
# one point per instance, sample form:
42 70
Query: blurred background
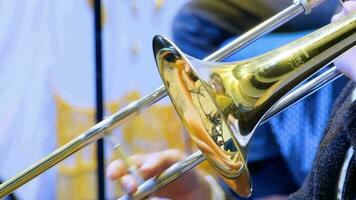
47 87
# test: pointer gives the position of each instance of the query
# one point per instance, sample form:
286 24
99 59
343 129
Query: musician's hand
192 185
347 62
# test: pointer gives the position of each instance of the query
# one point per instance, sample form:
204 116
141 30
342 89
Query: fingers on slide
149 166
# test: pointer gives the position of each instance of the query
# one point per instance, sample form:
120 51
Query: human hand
191 185
347 62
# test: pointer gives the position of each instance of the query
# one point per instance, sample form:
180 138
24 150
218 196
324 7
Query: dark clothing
340 134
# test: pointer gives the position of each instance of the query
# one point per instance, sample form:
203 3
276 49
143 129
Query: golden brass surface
222 104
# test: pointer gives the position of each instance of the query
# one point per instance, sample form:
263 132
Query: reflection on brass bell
221 104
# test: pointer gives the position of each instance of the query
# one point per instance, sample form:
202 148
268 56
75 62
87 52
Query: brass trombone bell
221 104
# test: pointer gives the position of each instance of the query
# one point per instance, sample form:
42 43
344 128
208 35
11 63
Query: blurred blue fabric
293 135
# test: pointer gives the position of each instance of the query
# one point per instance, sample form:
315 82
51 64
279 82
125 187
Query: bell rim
160 43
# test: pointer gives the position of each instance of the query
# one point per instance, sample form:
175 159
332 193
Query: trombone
221 104
104 127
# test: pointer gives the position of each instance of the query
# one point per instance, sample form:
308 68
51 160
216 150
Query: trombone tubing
102 128
178 169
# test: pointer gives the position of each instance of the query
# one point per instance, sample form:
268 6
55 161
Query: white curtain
26 105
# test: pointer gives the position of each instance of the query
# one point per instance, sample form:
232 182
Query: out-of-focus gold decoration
159 4
135 47
77 177
103 12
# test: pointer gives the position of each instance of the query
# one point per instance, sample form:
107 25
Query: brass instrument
221 104
217 108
